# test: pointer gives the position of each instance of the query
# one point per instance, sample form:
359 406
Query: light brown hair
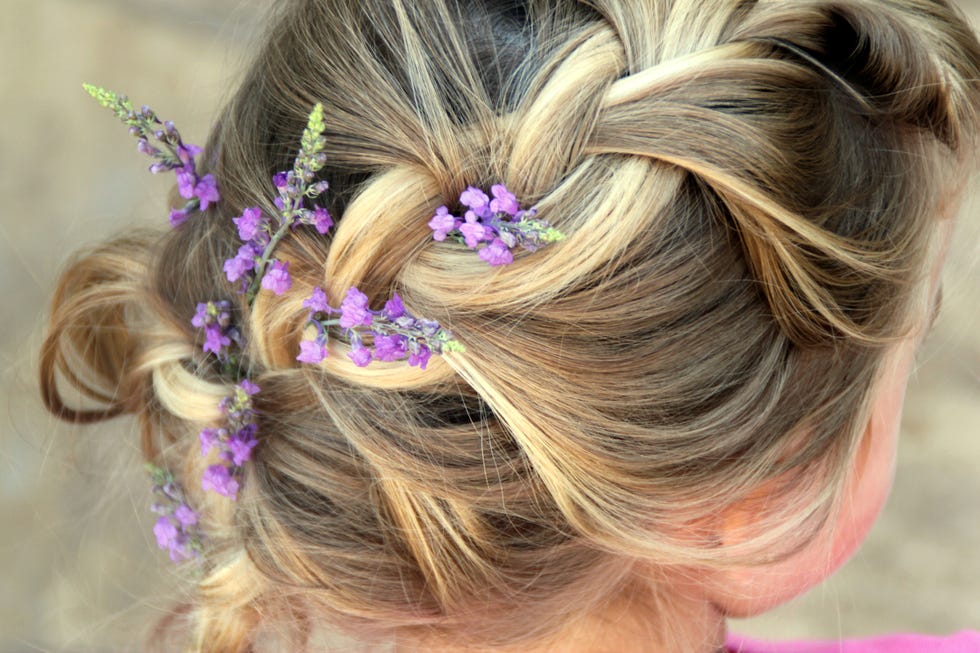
748 191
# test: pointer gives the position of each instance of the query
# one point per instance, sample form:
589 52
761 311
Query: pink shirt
962 642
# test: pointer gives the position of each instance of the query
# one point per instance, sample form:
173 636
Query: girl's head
697 387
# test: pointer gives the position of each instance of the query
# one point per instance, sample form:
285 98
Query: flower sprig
171 153
499 224
221 336
177 530
396 333
234 441
254 265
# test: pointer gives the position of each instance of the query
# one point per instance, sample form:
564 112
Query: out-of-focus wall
79 567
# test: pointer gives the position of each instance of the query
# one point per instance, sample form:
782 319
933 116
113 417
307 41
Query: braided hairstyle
748 191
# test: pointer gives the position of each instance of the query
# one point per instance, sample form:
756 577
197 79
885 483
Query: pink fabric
963 642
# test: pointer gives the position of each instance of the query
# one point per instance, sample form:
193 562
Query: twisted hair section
748 192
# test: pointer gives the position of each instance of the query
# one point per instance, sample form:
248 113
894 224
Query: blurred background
79 570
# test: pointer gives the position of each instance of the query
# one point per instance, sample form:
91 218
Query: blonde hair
748 191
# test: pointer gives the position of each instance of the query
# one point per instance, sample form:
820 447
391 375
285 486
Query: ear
748 590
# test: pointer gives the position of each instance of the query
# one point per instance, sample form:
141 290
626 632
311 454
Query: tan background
78 567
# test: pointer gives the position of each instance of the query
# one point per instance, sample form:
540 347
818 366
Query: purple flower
177 217
419 356
442 223
312 352
354 310
473 231
390 348
244 261
200 318
249 223
144 146
496 253
214 339
179 550
477 200
206 190
241 447
187 152
186 181
185 515
322 220
394 308
209 439
361 356
166 532
280 179
277 278
504 201
317 303
249 388
218 479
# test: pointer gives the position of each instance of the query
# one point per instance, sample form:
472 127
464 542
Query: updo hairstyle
749 195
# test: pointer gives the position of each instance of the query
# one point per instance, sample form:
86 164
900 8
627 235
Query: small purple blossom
322 220
180 550
317 302
496 253
354 310
244 262
312 352
249 224
477 200
390 348
442 223
279 180
249 388
206 190
503 201
360 355
215 339
186 182
177 217
200 319
144 146
473 231
186 153
419 356
185 515
217 478
241 446
166 532
394 308
209 440
277 277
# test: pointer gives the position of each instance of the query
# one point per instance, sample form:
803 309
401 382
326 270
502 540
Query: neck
683 621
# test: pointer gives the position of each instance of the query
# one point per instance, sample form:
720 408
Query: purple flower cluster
171 153
498 224
177 528
393 332
397 334
234 441
219 332
253 266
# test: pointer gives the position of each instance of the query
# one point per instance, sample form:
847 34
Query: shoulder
967 641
